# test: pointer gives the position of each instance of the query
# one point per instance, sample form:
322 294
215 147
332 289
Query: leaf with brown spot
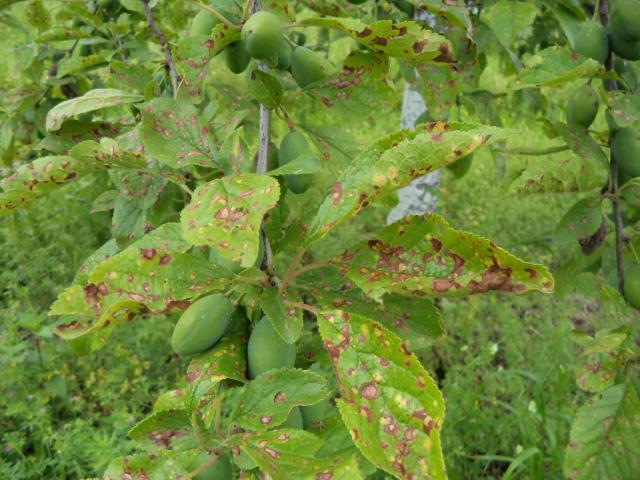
584 169
225 214
423 256
165 429
391 39
89 102
286 321
173 133
393 162
604 440
161 465
292 454
274 394
135 280
387 396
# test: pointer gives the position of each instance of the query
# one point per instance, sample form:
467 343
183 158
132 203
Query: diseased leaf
226 360
72 65
585 171
290 453
604 441
268 399
173 133
192 57
392 162
602 357
152 274
509 19
361 82
406 40
73 131
411 319
624 108
222 36
106 251
424 256
38 178
583 218
147 466
57 34
392 407
555 66
225 214
454 11
286 320
266 88
165 429
89 102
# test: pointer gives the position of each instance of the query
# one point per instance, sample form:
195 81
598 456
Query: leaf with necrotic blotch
604 440
36 179
406 40
393 162
291 453
267 401
226 213
174 133
93 100
423 256
392 407
153 274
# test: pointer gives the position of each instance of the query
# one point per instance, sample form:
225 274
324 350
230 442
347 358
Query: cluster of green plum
263 38
203 324
622 37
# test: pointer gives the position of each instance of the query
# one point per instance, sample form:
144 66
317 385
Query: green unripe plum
262 34
236 57
105 3
625 19
626 148
627 49
308 66
221 470
284 55
202 324
632 286
582 106
203 23
266 350
461 167
294 420
312 415
292 146
592 42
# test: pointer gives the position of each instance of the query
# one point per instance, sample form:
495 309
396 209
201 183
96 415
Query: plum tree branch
610 85
263 149
218 15
168 57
